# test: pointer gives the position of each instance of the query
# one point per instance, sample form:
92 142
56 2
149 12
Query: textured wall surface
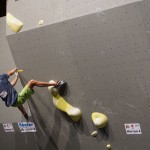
6 63
16 140
145 7
52 11
104 57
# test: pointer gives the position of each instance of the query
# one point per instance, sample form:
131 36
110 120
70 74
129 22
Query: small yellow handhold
108 146
19 70
94 133
41 22
14 24
54 92
51 87
99 119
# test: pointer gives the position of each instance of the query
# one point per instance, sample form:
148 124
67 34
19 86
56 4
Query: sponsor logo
27 126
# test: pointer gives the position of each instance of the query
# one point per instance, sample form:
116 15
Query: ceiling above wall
3 8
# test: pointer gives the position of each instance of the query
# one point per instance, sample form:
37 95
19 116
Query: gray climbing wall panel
6 63
31 12
145 7
15 140
104 57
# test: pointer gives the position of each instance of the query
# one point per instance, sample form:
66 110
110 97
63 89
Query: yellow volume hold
14 24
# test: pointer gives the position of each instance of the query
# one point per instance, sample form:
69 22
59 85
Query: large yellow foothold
100 120
61 104
14 24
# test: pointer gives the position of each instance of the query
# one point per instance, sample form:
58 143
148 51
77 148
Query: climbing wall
6 63
145 6
11 140
53 11
104 57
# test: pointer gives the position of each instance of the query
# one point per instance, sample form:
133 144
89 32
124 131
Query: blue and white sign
27 126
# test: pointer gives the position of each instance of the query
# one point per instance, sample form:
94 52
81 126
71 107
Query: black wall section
3 8
104 57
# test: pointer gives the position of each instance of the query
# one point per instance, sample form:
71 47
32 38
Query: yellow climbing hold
61 104
51 87
100 120
54 92
94 133
19 70
14 24
41 22
108 146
